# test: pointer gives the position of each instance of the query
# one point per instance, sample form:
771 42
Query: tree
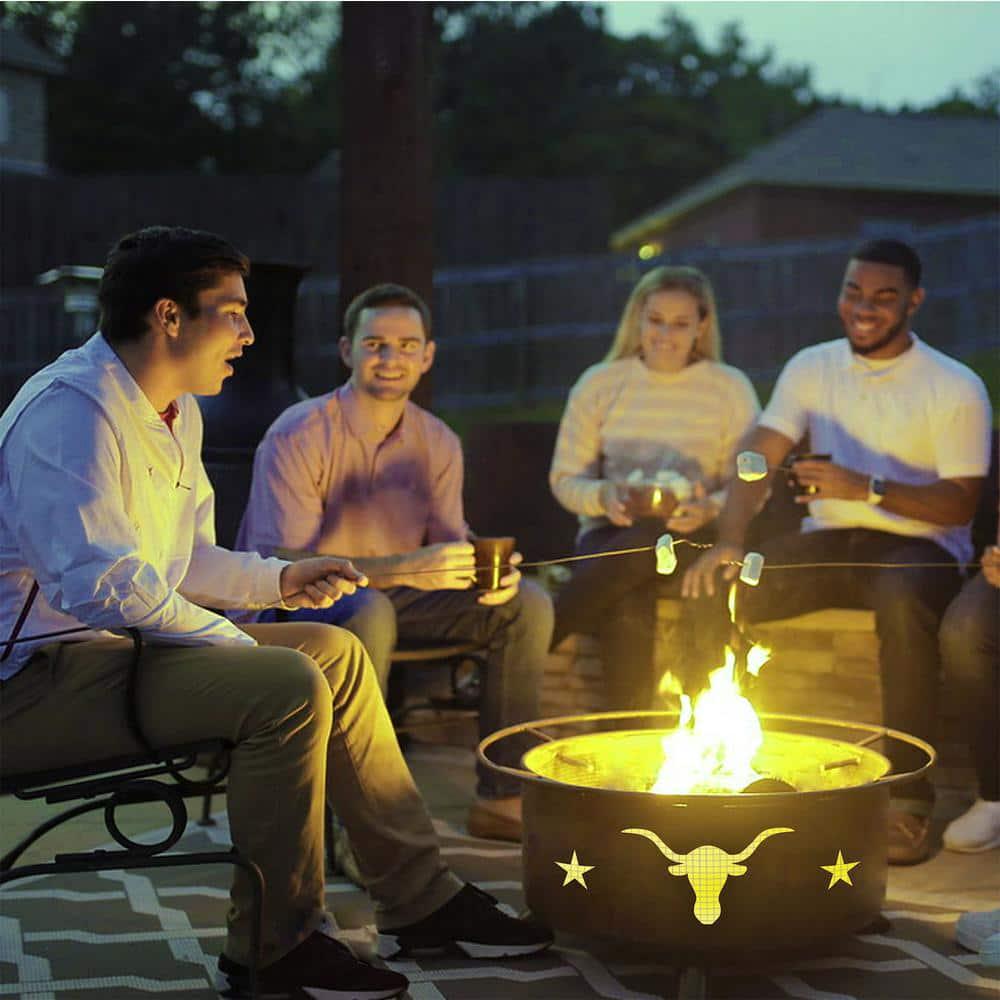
532 90
173 86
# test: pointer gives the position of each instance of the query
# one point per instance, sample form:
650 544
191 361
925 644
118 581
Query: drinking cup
492 560
647 500
793 480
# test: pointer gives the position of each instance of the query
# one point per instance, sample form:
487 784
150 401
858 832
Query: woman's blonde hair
669 279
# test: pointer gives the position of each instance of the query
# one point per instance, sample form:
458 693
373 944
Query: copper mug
793 481
492 560
647 500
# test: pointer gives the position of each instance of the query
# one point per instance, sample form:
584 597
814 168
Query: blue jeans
516 636
970 654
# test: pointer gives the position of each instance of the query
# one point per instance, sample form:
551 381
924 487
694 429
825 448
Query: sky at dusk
872 51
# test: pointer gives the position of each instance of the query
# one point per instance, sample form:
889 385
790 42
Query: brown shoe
909 838
496 819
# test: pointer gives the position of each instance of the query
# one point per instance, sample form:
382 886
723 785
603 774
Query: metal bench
152 775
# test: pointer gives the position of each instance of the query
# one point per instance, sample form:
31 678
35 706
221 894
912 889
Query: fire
715 742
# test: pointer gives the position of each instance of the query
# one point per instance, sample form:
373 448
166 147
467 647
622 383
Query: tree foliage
520 89
180 86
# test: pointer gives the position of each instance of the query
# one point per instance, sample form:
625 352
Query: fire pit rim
874 731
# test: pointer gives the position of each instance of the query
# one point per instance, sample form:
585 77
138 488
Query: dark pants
615 599
971 657
908 606
516 636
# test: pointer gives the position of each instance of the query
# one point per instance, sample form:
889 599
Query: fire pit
706 878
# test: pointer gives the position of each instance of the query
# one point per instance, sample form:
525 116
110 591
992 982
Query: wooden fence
519 335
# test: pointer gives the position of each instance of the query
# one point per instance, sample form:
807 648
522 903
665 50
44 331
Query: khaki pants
306 716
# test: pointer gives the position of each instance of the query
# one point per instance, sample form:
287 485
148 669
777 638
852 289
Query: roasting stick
596 555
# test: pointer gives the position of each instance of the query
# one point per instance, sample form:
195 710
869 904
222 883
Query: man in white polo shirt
907 429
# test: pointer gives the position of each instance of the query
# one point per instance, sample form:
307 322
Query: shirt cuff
269 592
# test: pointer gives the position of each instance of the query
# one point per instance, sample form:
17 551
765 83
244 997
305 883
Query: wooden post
386 187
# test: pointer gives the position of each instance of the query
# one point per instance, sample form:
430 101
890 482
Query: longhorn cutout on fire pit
708 867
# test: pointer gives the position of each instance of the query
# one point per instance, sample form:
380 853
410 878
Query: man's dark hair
384 295
895 253
160 262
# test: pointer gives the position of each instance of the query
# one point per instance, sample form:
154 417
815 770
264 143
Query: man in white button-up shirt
907 432
107 522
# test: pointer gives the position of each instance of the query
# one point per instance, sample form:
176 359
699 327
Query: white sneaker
975 930
976 830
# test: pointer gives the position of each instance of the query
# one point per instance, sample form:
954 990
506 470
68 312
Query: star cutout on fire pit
574 871
839 871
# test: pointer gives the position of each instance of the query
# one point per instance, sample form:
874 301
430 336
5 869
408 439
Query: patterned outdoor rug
119 935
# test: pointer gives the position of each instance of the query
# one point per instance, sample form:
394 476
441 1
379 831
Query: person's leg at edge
970 654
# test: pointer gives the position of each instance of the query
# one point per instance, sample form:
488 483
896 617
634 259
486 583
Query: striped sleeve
576 465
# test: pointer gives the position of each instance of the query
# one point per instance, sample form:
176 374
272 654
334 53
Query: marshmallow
751 466
635 477
676 482
753 566
666 558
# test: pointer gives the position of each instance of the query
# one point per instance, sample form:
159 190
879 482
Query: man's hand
991 564
509 584
445 566
319 582
827 481
690 515
614 507
700 578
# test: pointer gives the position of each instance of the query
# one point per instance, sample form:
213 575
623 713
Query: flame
713 747
756 658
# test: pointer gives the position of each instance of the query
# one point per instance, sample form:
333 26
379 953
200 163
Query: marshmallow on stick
666 558
753 566
751 466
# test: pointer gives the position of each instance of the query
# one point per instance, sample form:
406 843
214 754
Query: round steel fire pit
706 878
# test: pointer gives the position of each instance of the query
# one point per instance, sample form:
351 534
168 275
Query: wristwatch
876 489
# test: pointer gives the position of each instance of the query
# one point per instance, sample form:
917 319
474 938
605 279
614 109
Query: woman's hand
614 507
690 515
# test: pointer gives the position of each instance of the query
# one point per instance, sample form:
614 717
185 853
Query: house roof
19 52
847 148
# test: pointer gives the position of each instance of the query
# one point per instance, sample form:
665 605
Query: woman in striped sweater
661 409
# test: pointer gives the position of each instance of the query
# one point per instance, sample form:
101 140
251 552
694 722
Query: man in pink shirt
363 471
